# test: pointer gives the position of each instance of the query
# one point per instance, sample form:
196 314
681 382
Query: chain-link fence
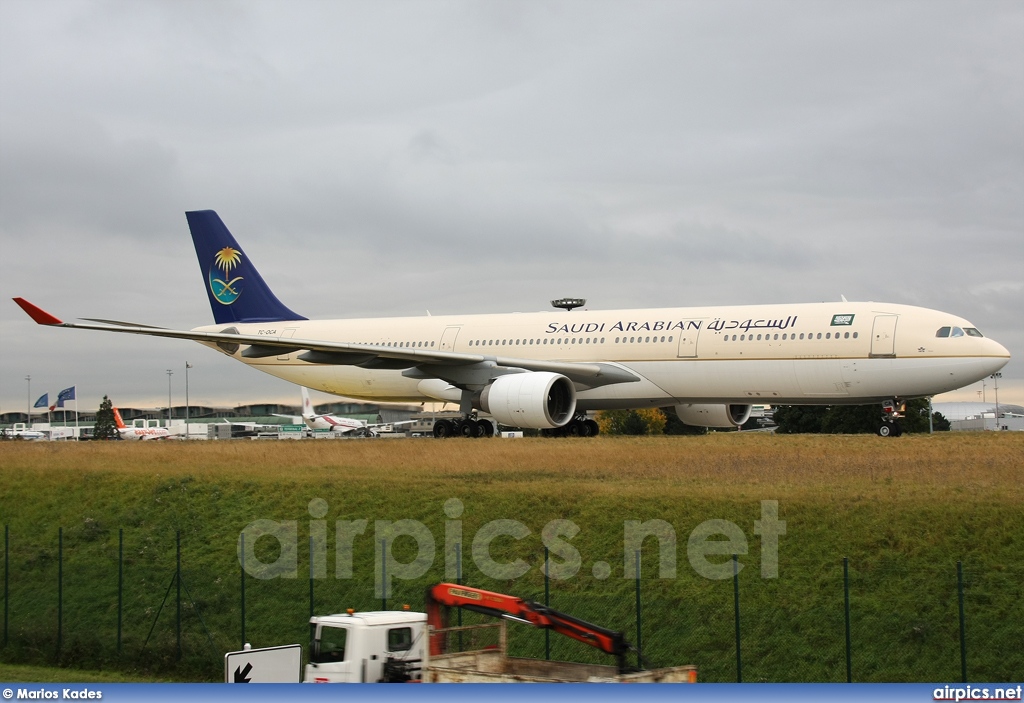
130 601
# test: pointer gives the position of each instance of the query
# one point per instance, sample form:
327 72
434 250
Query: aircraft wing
458 368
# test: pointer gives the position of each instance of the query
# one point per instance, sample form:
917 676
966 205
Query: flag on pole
66 394
44 400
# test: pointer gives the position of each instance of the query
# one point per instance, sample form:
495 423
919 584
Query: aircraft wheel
469 428
897 429
595 430
885 429
444 428
572 429
485 428
585 429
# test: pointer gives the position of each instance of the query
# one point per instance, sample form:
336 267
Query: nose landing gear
892 411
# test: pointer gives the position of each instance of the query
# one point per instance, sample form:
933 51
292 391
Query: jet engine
535 399
713 415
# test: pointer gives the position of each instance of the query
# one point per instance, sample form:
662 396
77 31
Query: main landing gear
463 427
579 426
892 411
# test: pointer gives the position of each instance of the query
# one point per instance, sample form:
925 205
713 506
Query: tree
852 419
646 421
799 419
675 426
105 428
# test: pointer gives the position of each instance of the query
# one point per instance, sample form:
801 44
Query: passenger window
957 332
828 335
801 335
733 338
331 645
647 339
855 335
819 335
759 338
400 639
846 335
943 332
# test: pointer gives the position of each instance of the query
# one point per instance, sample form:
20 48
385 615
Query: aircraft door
688 339
448 338
883 335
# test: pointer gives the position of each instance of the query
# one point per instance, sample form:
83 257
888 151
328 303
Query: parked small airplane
335 423
22 431
136 431
546 370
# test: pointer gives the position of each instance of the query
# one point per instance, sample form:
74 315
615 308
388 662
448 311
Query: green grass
903 511
23 673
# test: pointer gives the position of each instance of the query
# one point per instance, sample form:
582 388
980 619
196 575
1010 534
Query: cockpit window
973 332
957 332
943 332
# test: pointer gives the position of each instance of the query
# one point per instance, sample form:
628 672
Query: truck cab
366 647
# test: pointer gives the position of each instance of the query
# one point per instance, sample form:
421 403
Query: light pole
995 381
28 402
187 367
169 374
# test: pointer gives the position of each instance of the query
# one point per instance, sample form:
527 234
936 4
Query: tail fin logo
226 290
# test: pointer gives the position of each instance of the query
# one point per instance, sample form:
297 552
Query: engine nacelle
534 399
726 416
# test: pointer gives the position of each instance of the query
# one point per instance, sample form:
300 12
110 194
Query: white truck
400 646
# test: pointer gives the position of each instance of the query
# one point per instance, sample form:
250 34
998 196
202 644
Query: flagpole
187 367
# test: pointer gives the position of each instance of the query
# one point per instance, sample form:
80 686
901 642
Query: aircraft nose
1000 354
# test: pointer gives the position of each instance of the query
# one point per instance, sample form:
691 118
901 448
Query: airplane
22 431
137 432
546 370
343 425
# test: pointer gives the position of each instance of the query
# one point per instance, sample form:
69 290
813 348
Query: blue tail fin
236 289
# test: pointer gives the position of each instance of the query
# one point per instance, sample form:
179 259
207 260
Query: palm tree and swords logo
226 290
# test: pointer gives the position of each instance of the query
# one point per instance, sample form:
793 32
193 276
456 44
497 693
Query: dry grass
967 466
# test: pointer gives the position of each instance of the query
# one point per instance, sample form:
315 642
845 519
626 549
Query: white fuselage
797 354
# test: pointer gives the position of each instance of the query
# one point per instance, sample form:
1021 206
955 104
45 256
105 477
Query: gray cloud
385 158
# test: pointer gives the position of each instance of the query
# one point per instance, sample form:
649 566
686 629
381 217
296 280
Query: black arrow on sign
242 674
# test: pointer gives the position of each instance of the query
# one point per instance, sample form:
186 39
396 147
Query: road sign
267 665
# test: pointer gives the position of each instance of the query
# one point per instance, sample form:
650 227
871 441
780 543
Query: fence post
639 618
60 589
7 574
458 580
311 607
384 574
120 584
846 598
547 601
177 579
241 562
963 637
736 607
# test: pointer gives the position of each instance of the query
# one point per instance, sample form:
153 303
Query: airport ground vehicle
405 646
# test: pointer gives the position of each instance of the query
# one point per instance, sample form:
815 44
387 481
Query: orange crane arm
443 596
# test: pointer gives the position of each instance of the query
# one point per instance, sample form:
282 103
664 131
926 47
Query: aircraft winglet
38 314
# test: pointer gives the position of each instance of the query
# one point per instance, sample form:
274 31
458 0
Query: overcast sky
386 158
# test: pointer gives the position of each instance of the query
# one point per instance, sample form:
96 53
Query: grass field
903 511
